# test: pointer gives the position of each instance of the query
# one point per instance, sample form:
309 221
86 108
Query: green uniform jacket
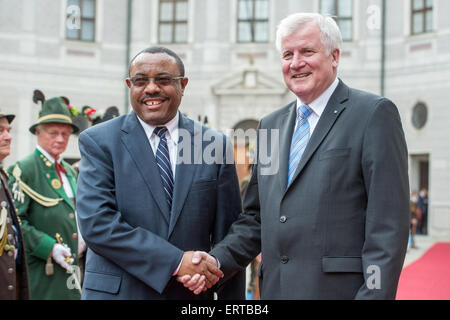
40 224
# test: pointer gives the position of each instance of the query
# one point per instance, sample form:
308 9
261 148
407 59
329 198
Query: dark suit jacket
343 221
135 244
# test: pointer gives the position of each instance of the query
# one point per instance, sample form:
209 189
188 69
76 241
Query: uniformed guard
13 266
44 189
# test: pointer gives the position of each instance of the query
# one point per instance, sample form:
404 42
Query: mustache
154 96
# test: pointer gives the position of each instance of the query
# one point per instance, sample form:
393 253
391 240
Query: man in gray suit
146 196
333 222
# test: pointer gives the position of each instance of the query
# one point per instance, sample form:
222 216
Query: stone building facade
81 48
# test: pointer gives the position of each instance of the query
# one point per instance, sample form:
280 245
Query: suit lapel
286 126
329 116
184 171
135 141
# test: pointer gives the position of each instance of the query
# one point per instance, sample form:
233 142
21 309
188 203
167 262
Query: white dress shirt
171 136
65 180
317 106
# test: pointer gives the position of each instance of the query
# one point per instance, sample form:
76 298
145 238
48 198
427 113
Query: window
80 22
173 21
342 12
253 21
421 16
419 115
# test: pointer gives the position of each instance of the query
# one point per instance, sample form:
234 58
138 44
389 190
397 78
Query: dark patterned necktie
59 170
163 161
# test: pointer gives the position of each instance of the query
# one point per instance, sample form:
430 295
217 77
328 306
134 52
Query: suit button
75 236
283 219
284 259
72 216
10 271
10 288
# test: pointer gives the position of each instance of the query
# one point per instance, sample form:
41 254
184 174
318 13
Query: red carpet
428 278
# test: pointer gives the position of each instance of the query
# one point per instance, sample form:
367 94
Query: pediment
248 81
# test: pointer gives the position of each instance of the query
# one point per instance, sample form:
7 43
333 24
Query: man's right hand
59 254
199 271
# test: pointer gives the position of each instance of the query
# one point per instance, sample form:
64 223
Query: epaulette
20 187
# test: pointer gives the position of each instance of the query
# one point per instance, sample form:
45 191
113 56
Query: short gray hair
330 34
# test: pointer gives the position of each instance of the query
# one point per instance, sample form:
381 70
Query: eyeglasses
161 81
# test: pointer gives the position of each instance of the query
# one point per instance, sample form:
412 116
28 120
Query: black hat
10 117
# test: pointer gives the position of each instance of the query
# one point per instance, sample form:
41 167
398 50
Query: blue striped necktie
299 140
163 161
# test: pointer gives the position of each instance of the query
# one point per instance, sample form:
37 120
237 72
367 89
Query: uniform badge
56 184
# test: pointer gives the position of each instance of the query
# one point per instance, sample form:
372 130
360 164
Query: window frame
174 22
93 20
338 18
252 21
423 11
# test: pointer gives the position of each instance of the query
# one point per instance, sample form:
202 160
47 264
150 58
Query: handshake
198 271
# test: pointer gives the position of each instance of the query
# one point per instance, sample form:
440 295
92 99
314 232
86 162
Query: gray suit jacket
135 243
340 230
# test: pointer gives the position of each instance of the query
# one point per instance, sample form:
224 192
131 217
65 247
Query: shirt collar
172 128
47 155
318 105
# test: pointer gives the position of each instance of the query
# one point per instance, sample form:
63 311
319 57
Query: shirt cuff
178 268
218 262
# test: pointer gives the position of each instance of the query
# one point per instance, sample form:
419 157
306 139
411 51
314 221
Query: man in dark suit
332 223
146 196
